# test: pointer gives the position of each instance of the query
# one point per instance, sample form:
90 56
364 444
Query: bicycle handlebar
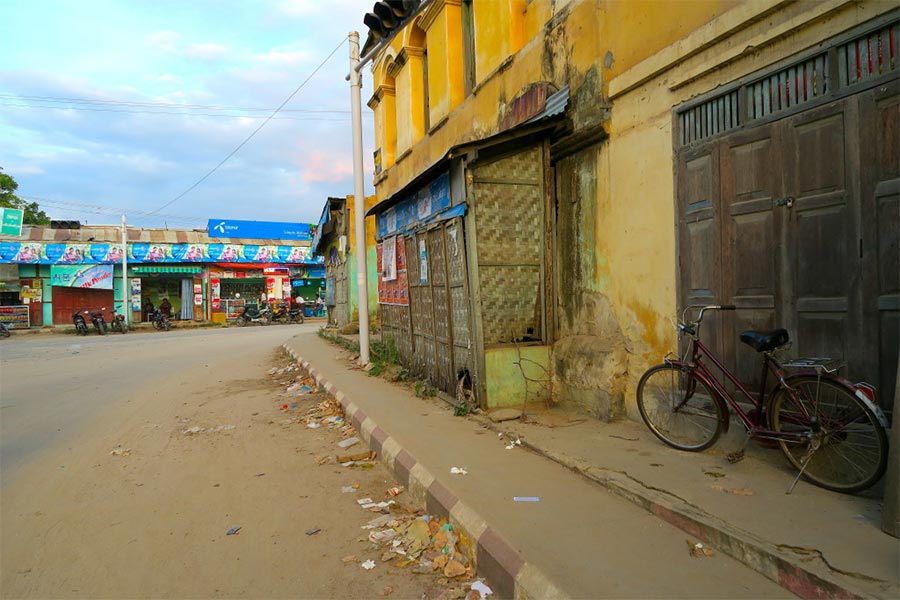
703 308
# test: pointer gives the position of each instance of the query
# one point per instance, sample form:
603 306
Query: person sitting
148 310
166 308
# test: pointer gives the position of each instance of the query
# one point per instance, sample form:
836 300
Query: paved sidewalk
596 530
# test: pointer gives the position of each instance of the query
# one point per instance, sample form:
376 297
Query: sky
121 106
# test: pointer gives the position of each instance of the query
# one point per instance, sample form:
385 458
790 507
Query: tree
8 199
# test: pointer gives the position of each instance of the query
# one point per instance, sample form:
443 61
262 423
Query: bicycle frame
694 361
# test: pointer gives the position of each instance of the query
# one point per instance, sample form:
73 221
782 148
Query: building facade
570 174
50 273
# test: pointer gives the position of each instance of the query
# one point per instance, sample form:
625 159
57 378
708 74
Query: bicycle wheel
841 447
679 408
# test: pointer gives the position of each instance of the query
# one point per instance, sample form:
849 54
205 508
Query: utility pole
126 308
359 200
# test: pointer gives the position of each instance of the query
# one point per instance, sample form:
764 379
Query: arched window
382 104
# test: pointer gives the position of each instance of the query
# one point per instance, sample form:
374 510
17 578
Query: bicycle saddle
764 341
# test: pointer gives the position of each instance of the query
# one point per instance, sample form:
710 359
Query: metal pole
359 200
126 308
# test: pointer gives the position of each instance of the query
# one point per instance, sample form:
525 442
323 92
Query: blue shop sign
259 230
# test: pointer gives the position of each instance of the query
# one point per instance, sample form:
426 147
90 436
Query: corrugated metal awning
167 269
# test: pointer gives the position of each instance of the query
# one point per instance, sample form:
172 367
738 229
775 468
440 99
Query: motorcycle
80 323
4 332
160 320
295 315
98 320
118 322
283 312
253 315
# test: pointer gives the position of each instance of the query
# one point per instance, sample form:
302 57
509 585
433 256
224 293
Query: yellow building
556 179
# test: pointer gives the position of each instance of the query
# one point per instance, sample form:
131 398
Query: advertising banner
136 294
98 277
67 254
259 230
393 291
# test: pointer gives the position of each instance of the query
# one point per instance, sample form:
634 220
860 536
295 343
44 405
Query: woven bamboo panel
510 220
459 309
436 270
425 324
441 314
443 378
412 260
456 255
427 351
417 365
462 361
508 298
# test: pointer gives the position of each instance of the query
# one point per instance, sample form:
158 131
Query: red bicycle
830 429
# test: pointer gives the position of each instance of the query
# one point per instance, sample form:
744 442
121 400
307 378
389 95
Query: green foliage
461 409
385 352
8 199
425 389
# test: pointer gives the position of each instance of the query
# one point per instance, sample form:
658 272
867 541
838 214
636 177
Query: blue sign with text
259 230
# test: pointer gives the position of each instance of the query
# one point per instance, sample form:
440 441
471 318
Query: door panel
751 180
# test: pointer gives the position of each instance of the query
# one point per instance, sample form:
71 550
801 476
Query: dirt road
137 505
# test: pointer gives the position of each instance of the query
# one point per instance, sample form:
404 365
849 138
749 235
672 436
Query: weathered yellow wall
505 383
628 64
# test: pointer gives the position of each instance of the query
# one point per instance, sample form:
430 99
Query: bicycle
829 429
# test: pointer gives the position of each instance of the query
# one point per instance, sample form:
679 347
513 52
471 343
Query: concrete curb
798 575
505 569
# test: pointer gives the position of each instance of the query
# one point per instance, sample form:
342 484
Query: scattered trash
481 588
657 465
387 591
233 530
715 474
378 521
526 499
121 452
382 536
513 443
454 568
396 491
75 348
294 405
284 407
364 501
193 430
349 458
348 489
735 491
349 558
458 471
348 442
224 428
698 550
313 425
313 531
368 565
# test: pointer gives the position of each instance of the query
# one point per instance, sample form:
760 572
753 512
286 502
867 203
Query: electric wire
85 208
62 99
255 131
181 114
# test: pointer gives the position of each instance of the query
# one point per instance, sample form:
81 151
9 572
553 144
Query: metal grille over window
868 56
789 87
710 118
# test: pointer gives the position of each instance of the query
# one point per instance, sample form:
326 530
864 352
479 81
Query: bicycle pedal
735 457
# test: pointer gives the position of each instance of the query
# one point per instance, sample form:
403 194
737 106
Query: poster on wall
389 259
395 291
198 299
32 293
97 277
423 262
135 294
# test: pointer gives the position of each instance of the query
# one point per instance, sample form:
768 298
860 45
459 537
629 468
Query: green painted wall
505 384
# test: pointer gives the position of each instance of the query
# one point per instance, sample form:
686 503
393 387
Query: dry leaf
454 569
735 491
387 591
349 558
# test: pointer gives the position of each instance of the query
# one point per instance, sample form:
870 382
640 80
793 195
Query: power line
82 207
160 112
62 99
255 131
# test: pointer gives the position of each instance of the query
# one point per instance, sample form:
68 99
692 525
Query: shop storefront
181 285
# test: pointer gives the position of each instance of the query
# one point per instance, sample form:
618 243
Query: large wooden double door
796 222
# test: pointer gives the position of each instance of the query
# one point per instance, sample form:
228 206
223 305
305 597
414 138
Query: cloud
322 167
164 40
206 51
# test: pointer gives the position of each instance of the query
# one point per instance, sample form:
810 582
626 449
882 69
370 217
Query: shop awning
167 269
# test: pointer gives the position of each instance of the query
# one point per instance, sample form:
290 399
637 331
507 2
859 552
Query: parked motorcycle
80 323
295 314
98 320
160 320
282 312
253 315
118 322
4 332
